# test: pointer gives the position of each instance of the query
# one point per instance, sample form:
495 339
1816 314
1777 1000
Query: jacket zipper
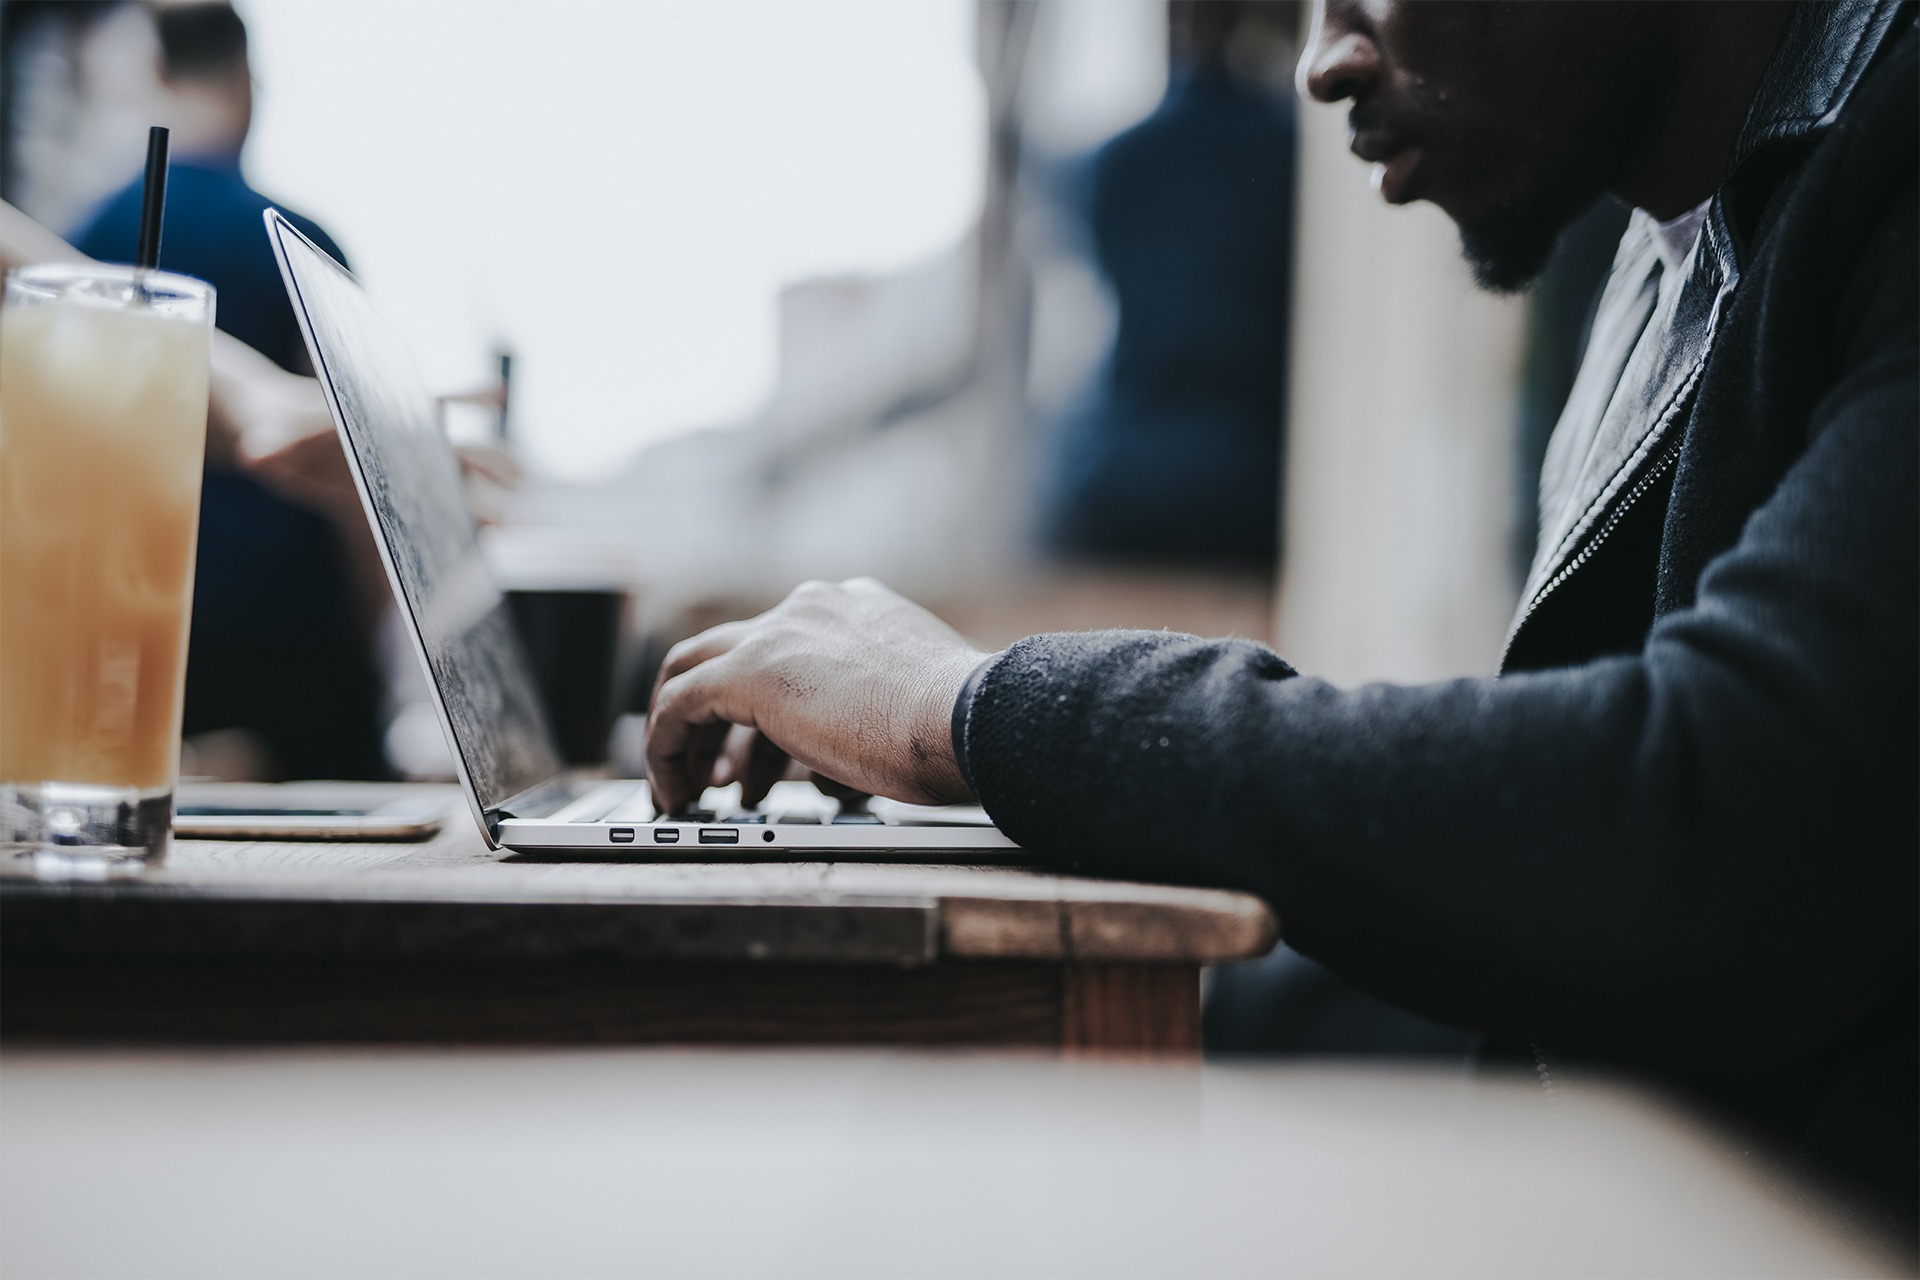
1647 480
1543 1063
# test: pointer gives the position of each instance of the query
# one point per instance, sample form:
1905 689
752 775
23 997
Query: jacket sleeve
1710 845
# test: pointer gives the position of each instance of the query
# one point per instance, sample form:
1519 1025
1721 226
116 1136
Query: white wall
618 188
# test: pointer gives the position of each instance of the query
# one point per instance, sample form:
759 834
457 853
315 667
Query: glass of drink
103 419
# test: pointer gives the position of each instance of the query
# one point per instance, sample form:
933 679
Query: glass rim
150 278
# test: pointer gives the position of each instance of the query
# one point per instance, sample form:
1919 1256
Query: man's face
1512 117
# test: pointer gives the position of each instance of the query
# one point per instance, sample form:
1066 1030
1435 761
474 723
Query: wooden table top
632 1162
453 898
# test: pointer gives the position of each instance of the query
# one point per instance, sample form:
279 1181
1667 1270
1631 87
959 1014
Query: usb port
621 835
666 835
719 835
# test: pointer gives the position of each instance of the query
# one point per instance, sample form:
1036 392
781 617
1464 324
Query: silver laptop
409 481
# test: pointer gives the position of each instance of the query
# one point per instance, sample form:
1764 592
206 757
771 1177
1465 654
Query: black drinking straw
153 202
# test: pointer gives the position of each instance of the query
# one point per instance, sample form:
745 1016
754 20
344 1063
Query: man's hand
849 680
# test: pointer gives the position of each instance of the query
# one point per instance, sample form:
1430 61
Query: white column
1401 423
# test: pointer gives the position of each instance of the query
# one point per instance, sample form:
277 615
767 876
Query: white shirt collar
1674 239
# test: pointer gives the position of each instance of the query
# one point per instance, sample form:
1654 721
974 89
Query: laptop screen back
410 483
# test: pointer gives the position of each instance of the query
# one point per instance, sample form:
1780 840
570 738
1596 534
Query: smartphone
310 810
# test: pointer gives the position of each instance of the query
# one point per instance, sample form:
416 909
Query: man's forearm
1668 855
24 242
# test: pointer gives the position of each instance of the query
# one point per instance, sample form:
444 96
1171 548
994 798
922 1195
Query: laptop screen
410 484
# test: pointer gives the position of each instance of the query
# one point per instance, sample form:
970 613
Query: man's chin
1509 244
1507 255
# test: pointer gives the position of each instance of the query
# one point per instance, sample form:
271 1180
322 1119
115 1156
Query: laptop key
745 818
796 820
633 807
857 820
689 815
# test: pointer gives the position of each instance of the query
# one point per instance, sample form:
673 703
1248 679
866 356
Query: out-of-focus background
1051 313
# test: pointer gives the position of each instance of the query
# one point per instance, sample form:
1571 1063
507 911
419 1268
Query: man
214 230
274 589
1174 453
1679 832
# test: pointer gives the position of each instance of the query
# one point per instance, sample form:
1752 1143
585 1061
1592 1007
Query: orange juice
103 416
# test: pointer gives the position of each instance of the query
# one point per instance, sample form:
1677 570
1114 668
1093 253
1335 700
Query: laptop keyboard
632 804
752 818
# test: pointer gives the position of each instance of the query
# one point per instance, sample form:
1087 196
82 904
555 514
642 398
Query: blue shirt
214 232
1175 450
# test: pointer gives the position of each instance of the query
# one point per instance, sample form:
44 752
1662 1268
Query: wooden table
642 1162
449 941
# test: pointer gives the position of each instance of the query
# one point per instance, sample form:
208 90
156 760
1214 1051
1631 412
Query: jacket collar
1647 349
1823 53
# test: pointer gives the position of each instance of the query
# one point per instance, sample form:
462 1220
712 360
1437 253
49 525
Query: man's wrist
936 773
960 718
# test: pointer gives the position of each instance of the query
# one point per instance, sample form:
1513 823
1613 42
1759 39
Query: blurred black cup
568 594
572 639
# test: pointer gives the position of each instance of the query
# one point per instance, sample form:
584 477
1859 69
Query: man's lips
1395 163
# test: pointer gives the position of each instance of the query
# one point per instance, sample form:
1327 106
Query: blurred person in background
282 640
1174 454
1678 833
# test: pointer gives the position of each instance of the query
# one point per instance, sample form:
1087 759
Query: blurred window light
1095 67
616 190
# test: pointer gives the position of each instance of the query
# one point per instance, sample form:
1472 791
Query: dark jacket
1679 832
